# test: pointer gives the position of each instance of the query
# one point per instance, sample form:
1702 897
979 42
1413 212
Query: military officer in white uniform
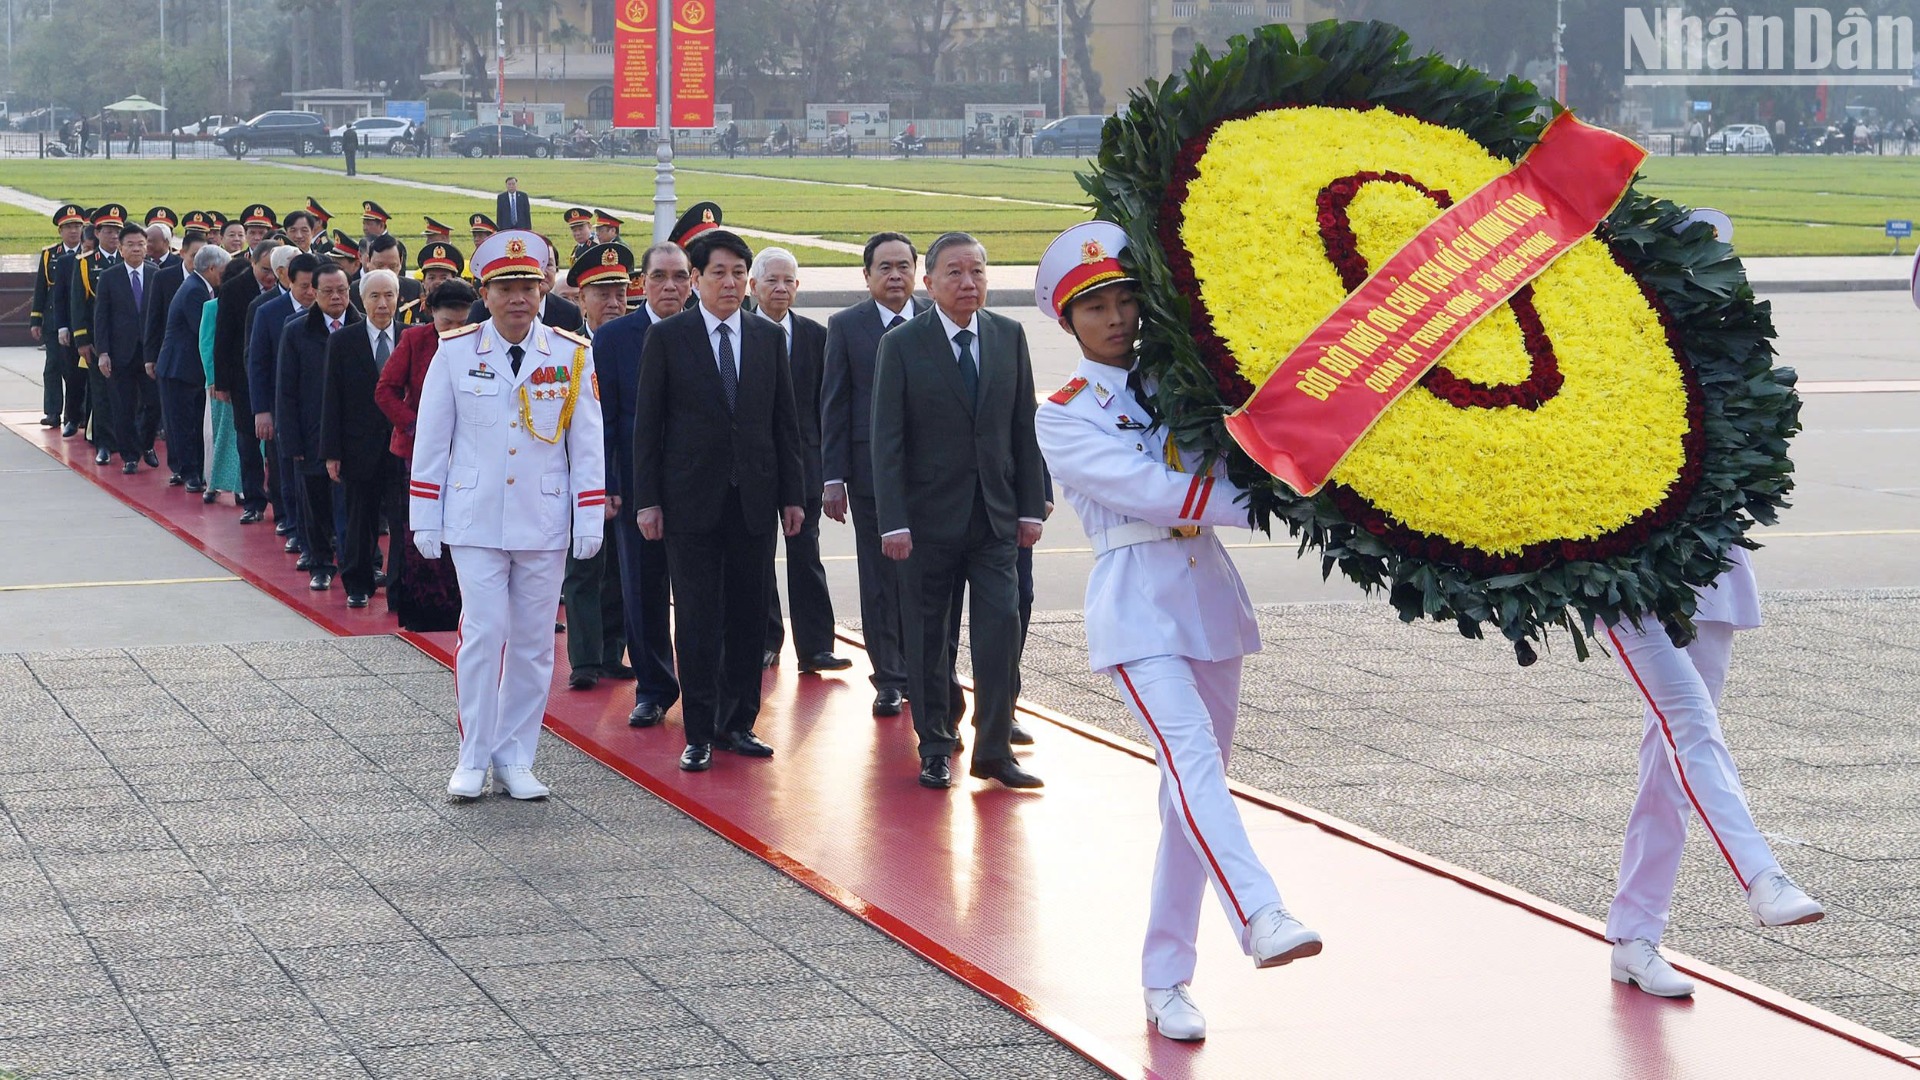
1685 769
508 472
1167 618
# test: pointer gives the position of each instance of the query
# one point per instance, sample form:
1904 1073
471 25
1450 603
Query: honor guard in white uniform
508 472
1167 618
1685 769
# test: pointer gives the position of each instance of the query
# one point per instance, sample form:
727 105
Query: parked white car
1740 139
375 132
207 125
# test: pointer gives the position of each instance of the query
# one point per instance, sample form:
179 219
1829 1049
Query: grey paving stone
27 982
724 969
814 1037
149 974
243 1040
976 1025
336 1066
106 1053
772 1001
510 1059
916 1065
563 979
358 995
41 1018
384 958
219 1004
425 1026
599 1013
636 1051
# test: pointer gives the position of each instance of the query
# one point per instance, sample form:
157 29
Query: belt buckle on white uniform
1129 533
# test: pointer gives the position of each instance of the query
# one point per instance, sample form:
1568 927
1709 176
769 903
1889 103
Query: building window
1279 10
602 21
600 103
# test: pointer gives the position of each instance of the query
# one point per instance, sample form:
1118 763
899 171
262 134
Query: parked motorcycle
907 145
579 144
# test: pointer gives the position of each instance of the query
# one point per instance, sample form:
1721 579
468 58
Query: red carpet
1038 899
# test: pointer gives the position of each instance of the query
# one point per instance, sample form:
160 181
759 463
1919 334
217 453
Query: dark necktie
382 350
516 352
729 378
1138 388
893 322
969 372
136 278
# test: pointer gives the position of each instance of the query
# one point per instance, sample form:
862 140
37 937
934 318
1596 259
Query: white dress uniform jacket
1150 594
479 476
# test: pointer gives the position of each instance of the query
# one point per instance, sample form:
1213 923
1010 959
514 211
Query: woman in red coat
424 596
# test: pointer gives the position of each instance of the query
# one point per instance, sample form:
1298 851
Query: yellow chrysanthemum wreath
1586 451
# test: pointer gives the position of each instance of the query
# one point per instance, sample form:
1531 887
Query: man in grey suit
958 489
846 449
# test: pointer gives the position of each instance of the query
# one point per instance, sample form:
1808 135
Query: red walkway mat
1038 899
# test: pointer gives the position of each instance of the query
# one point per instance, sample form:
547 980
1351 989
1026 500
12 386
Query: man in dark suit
293 273
646 588
354 433
44 321
180 373
238 291
958 489
168 280
717 474
512 210
846 413
299 407
120 347
773 282
82 289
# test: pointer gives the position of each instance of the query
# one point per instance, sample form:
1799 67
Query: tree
930 32
1079 15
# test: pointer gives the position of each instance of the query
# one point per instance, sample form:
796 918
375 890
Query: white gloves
586 547
427 543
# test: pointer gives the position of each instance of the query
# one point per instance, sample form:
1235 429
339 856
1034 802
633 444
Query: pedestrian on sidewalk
1166 617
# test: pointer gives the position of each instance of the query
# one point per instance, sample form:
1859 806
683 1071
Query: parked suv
489 139
375 132
1069 135
301 132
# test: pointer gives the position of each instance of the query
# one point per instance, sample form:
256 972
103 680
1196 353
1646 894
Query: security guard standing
508 473
62 385
1166 615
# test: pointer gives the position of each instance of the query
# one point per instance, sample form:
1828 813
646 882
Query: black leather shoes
176 480
283 528
101 457
935 773
770 658
304 563
292 545
583 679
1020 736
824 661
252 517
616 671
69 429
1007 771
697 757
49 421
646 714
320 582
888 702
208 496
196 485
744 743
152 459
379 579
356 600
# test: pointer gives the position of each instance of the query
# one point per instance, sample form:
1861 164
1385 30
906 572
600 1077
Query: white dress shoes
1776 901
467 783
1174 1015
519 782
1275 938
1639 963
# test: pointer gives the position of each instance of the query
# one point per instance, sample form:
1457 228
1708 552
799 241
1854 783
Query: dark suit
354 432
959 472
720 478
807 597
119 332
63 385
183 378
300 406
512 210
82 288
846 448
266 317
555 311
646 589
237 293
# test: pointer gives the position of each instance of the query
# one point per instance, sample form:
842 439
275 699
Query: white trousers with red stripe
1685 769
1188 708
503 667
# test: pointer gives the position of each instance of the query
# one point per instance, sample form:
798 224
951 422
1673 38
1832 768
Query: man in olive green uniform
63 385
107 221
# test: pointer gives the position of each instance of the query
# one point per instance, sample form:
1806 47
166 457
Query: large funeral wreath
1591 449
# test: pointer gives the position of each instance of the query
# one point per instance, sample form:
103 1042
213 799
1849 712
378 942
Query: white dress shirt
732 323
887 317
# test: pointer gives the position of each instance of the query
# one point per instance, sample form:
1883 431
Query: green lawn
1782 206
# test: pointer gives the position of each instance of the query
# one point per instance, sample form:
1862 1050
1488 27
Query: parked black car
1069 135
301 132
51 118
490 139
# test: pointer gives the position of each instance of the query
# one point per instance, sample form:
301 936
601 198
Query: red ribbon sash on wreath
1396 326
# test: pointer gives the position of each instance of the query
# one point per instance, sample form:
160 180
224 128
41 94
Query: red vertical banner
692 63
636 48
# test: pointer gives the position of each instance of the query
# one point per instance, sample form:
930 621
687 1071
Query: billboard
415 111
861 121
636 44
990 116
692 63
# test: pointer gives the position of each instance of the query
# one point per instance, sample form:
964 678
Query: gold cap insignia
516 248
609 257
1092 252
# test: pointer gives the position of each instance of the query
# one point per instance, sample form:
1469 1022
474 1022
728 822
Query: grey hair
772 255
166 233
951 239
379 277
210 257
283 255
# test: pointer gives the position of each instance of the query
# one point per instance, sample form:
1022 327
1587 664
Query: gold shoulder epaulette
467 329
577 339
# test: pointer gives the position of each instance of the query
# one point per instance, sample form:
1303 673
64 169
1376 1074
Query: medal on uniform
571 394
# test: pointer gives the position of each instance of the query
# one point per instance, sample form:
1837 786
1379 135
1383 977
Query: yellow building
1137 40
565 55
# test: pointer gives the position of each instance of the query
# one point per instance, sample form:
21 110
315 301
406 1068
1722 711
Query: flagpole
664 199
